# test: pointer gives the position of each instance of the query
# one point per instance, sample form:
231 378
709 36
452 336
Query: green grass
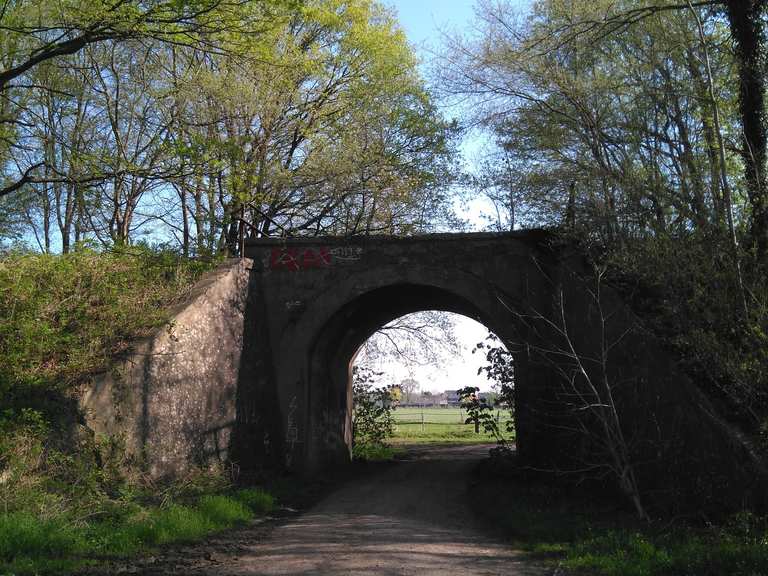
64 504
588 534
375 452
441 425
65 316
679 552
31 544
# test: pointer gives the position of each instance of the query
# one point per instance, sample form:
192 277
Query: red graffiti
299 259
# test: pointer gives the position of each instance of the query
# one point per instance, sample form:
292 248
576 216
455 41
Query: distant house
452 397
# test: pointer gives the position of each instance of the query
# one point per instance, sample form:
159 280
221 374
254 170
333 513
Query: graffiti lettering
295 259
299 259
347 253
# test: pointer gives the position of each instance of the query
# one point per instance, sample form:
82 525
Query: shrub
258 500
372 420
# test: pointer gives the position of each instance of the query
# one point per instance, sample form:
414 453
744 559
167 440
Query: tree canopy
639 131
181 120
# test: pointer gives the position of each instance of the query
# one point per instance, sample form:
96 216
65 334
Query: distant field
416 425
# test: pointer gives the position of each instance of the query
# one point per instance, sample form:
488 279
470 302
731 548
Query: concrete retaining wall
174 397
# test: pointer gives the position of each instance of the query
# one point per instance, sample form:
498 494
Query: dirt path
409 518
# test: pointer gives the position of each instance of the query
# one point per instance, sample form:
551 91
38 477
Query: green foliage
224 23
312 112
687 291
259 501
478 410
680 552
374 452
481 414
608 132
500 370
177 522
66 496
55 541
342 81
24 535
149 526
372 420
64 317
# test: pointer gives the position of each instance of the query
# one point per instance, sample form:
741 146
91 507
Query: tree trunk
748 30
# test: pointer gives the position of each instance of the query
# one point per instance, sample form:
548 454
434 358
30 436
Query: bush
372 420
687 291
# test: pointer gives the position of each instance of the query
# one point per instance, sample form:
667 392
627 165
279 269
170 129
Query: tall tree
614 132
35 32
747 20
318 124
329 130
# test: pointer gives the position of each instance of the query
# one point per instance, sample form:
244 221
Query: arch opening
419 365
337 344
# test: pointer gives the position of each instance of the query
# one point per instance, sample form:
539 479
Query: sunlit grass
441 425
30 544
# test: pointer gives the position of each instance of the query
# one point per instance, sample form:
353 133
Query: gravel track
409 518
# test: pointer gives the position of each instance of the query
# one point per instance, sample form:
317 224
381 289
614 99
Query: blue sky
422 20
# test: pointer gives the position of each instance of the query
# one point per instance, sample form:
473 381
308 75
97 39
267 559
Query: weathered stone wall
174 397
254 368
321 298
685 456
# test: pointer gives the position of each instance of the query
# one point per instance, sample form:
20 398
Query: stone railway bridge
254 369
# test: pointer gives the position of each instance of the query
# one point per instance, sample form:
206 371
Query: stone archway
318 299
323 299
339 339
254 369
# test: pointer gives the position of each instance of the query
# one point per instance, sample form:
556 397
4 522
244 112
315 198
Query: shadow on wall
175 398
257 439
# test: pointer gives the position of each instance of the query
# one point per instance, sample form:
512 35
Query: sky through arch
452 371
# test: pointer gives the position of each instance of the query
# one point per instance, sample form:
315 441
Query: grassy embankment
33 541
69 498
441 425
587 533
